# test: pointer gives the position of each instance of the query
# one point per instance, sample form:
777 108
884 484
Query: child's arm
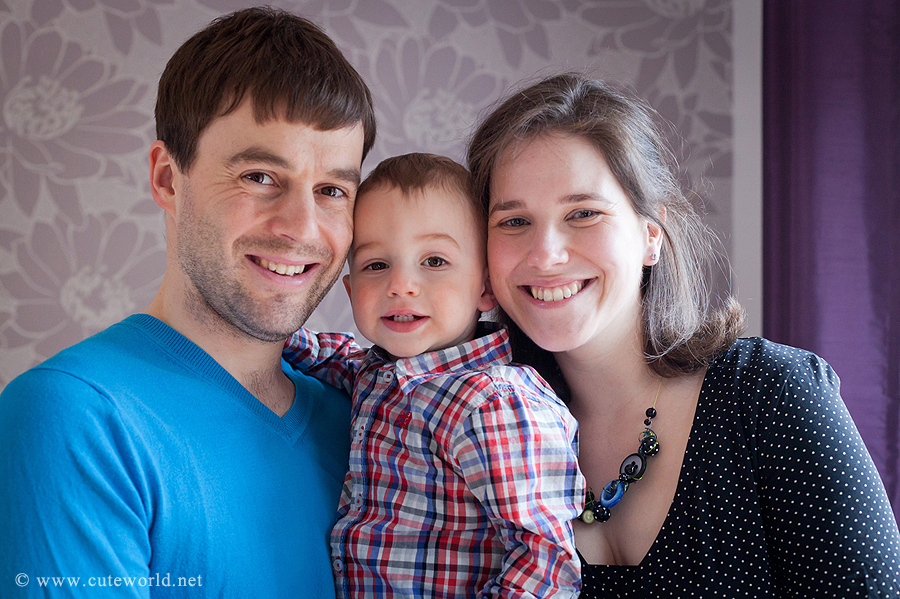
519 456
333 358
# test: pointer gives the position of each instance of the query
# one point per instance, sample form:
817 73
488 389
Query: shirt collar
490 346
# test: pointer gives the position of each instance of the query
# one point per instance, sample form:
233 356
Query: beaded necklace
632 469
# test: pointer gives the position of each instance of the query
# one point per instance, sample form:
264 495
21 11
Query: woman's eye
582 214
514 222
261 178
376 266
435 262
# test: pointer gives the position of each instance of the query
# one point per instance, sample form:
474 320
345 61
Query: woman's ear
487 301
162 177
655 239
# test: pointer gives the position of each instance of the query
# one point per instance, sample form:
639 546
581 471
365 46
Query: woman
744 476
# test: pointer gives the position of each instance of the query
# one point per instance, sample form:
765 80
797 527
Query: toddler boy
463 477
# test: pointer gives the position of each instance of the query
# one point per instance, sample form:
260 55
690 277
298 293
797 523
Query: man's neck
253 363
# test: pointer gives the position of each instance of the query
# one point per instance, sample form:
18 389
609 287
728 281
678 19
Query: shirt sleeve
519 457
333 358
72 507
828 521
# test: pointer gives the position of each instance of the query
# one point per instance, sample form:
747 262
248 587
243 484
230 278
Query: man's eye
435 262
332 192
261 178
376 266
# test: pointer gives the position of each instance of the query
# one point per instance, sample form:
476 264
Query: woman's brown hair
683 326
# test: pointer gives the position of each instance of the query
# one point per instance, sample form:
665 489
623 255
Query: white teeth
282 269
555 294
403 318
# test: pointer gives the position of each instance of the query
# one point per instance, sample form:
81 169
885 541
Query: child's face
417 270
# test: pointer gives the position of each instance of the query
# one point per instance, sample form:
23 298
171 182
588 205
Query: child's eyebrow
438 237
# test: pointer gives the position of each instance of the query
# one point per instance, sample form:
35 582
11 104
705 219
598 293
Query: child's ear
346 280
487 301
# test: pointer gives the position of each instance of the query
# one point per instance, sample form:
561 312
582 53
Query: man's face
264 220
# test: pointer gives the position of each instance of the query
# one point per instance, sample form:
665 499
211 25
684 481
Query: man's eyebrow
347 175
257 155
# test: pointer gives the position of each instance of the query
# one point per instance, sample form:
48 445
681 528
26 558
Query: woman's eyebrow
573 198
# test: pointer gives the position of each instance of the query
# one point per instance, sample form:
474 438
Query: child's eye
434 262
376 266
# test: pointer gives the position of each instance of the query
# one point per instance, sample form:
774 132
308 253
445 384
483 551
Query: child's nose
402 282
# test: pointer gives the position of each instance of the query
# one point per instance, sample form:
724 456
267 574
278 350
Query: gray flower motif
680 31
123 17
518 24
65 116
431 94
70 282
340 18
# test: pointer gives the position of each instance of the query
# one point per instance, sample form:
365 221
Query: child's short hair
419 171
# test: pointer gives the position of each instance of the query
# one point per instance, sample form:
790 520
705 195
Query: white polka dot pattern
778 496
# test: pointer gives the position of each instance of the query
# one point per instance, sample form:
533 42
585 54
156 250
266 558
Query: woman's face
565 248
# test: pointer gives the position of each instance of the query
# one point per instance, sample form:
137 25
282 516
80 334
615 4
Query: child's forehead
442 198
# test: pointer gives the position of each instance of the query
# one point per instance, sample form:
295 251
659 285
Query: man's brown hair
286 64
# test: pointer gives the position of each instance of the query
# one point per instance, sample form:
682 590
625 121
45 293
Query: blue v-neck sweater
137 465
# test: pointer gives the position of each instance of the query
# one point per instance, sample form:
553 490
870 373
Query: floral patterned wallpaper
81 241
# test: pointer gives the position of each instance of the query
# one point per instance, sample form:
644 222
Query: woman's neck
619 369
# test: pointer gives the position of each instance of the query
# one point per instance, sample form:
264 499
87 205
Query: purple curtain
831 130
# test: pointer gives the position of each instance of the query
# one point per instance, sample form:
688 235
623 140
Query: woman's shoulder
757 367
761 356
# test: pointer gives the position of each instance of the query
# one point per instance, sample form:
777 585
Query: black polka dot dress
777 497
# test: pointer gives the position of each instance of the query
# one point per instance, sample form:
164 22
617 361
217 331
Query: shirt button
357 501
388 376
338 565
360 432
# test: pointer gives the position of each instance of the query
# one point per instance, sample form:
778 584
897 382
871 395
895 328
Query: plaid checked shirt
463 476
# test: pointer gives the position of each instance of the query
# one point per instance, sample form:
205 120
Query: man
174 453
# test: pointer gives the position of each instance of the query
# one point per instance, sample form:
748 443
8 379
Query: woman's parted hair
683 326
285 63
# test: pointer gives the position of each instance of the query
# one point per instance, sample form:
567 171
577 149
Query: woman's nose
547 250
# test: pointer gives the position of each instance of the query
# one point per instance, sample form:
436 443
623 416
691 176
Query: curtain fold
831 205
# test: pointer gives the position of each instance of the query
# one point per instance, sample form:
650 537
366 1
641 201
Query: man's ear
487 301
346 280
162 177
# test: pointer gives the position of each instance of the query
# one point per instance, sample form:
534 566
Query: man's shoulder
116 365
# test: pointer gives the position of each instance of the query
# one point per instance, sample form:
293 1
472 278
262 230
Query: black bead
651 413
648 422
